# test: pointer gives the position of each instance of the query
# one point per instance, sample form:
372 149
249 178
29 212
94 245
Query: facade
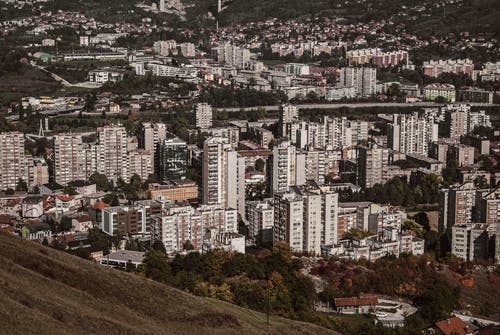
455 205
174 191
179 224
446 91
203 115
188 49
462 154
232 55
284 167
134 220
470 241
12 160
372 165
472 94
411 133
223 175
260 219
111 152
172 159
458 66
306 218
363 79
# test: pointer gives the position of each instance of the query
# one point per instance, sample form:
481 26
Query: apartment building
457 66
455 205
488 205
470 241
435 90
462 154
223 175
363 79
411 133
203 113
111 152
260 220
12 160
134 219
309 213
180 223
172 159
284 167
372 165
232 55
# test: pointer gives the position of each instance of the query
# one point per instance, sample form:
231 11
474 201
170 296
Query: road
348 105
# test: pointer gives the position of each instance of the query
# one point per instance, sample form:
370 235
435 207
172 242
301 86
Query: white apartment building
285 162
179 224
140 162
306 217
232 55
70 158
470 241
203 115
152 134
223 175
111 152
12 160
188 49
260 217
165 48
297 69
363 79
411 133
372 165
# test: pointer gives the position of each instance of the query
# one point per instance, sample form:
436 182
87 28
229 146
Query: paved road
60 79
349 105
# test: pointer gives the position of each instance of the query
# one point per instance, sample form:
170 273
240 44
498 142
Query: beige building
12 160
372 165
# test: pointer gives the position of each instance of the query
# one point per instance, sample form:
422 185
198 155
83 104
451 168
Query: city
311 164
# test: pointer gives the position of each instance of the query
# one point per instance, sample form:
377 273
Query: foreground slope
44 291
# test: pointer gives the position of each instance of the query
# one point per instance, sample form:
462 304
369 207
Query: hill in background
44 291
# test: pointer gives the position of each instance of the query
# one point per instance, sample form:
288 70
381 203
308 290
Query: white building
13 164
203 115
363 79
411 133
223 175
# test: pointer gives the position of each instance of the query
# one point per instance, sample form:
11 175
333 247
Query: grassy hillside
43 291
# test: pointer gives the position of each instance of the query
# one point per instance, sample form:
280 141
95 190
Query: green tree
70 190
65 224
21 185
101 181
260 165
481 182
156 266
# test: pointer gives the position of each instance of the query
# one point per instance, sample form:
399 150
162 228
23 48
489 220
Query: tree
21 185
70 190
157 266
65 224
101 181
158 246
187 246
422 219
260 165
481 182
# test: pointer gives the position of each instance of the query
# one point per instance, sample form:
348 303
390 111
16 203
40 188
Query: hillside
43 291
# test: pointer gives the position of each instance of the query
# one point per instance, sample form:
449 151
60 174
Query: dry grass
43 291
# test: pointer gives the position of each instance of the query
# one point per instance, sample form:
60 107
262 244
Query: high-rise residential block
223 175
455 205
363 79
372 165
203 115
111 152
12 160
70 158
411 133
172 156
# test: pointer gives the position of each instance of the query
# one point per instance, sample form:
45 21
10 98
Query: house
51 188
356 305
119 259
36 231
82 223
83 187
454 326
32 207
66 203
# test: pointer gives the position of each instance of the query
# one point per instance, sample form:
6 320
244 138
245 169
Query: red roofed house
454 326
356 305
